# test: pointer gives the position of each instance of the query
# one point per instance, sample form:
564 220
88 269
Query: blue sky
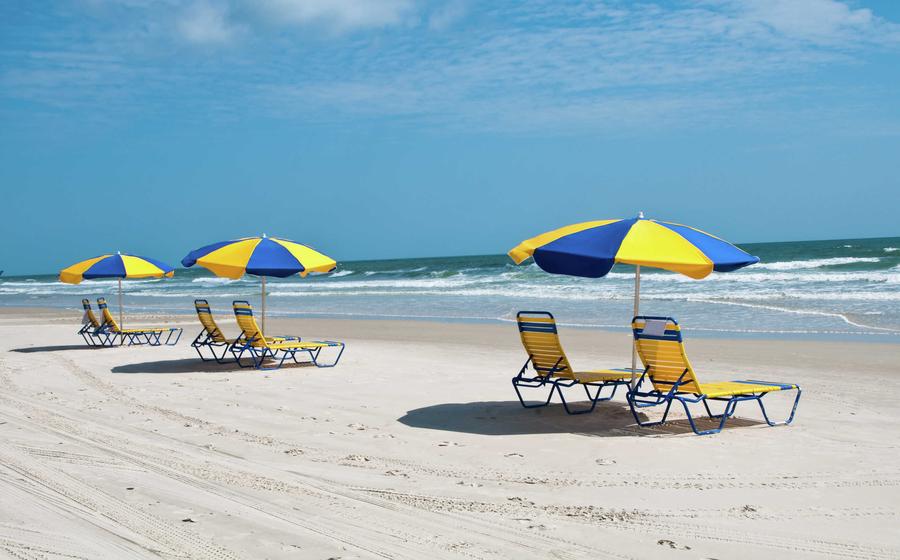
395 128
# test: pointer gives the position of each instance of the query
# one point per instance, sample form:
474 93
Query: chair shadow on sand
496 418
191 365
62 348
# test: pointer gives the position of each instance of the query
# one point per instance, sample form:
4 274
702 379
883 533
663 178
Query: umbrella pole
121 314
264 306
637 301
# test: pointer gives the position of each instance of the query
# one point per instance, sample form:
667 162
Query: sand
416 447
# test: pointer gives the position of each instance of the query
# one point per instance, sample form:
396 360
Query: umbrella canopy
590 249
116 266
259 256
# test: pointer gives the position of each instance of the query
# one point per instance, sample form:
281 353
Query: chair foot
517 382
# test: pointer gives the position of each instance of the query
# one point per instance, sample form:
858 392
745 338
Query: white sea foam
400 271
214 281
748 276
341 273
839 316
186 294
570 293
891 249
815 263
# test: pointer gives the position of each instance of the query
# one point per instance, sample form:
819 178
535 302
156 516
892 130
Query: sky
404 128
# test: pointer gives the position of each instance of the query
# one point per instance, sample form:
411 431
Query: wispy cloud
207 24
446 15
530 65
341 14
820 21
586 65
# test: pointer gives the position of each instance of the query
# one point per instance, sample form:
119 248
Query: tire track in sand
112 514
410 534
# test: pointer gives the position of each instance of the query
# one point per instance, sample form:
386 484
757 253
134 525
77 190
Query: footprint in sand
520 501
395 472
672 544
514 455
604 462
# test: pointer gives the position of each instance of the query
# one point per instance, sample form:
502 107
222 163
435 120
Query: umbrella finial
264 236
641 215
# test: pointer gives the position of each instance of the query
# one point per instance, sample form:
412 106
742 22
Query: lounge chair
91 330
211 336
259 348
551 368
671 378
151 336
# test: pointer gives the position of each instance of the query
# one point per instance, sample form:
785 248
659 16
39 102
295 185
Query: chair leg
221 359
258 357
615 387
729 411
197 347
516 384
591 399
315 357
637 418
169 341
274 357
789 418
239 354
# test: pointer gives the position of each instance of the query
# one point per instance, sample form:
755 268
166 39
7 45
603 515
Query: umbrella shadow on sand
61 348
496 418
190 365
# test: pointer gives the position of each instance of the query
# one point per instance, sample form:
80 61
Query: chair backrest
89 316
659 344
250 330
537 330
108 320
206 319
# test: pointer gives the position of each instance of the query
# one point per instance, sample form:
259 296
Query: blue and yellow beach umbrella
259 256
591 249
116 266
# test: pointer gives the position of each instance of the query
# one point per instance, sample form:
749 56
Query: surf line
840 316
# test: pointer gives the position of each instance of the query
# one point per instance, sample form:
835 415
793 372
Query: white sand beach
415 447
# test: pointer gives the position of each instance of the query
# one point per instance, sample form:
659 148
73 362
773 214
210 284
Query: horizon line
501 254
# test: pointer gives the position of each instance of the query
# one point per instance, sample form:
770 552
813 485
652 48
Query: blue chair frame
259 354
544 377
151 337
93 336
638 399
207 339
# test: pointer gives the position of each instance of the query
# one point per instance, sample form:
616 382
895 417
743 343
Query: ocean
820 289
